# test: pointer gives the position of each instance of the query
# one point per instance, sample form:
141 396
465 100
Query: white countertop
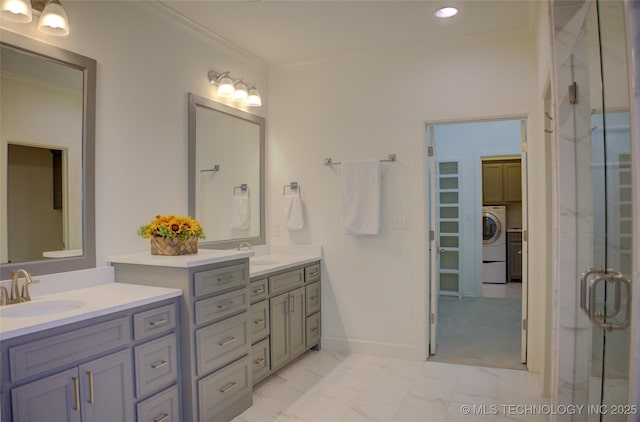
95 301
264 264
271 258
203 257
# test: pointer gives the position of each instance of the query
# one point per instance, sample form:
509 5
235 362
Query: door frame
429 208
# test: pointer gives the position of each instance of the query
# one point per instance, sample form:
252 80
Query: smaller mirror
226 173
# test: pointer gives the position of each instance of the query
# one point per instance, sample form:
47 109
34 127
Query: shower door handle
604 317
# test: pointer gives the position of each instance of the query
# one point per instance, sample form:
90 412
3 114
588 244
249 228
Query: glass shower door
594 135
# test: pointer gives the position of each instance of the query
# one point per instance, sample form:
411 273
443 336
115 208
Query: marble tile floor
511 290
330 387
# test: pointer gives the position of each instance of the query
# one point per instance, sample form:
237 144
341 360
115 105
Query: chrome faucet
16 294
245 245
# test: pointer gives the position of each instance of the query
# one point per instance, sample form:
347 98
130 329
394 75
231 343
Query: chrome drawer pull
160 364
258 321
258 291
313 297
314 329
228 387
226 341
226 305
158 322
162 418
259 361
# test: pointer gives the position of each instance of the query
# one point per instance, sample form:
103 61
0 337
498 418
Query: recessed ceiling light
446 12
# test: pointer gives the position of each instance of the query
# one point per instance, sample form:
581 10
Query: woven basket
173 246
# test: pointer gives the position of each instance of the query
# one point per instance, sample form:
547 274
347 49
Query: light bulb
16 10
225 86
54 20
254 99
240 93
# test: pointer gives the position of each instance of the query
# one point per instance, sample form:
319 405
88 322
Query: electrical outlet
400 222
276 230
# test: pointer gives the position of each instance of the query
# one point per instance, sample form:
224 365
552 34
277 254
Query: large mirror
226 173
47 137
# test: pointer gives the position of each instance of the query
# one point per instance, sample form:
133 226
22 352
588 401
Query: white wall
146 67
468 143
367 106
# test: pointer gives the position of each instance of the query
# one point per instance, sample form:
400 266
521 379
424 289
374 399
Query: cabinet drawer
313 330
285 281
163 407
260 361
259 321
220 390
258 290
146 324
42 355
156 365
222 342
219 279
312 298
220 306
312 273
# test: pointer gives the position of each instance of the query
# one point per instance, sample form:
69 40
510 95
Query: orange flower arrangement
171 226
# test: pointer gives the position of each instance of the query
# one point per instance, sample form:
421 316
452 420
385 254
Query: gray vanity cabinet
285 317
85 372
287 327
216 340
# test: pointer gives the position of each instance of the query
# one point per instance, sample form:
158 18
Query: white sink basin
40 308
263 262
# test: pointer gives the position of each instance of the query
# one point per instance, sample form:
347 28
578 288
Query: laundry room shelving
449 224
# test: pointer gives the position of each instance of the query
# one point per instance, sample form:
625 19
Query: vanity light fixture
238 90
446 12
53 18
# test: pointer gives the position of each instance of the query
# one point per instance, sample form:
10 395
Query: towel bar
215 168
292 186
330 162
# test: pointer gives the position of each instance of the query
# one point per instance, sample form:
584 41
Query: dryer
494 244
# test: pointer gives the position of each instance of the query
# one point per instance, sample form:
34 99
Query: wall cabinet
501 182
216 345
86 371
285 309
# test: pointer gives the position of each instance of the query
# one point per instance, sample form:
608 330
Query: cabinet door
106 387
512 179
515 260
279 308
296 322
50 399
492 183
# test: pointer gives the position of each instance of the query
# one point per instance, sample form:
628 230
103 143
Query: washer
494 244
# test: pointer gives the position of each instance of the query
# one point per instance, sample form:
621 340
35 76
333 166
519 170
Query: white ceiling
293 31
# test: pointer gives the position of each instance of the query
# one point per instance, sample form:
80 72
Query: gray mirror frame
89 68
198 101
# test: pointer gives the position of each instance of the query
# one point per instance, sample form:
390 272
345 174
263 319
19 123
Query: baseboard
390 350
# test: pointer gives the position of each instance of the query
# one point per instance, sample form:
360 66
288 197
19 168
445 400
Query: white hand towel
293 217
240 212
360 184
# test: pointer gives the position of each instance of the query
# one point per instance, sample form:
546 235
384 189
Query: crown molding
182 22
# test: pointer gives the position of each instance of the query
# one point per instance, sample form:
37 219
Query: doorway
471 323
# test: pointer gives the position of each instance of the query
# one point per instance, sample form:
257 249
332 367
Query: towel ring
292 186
243 188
